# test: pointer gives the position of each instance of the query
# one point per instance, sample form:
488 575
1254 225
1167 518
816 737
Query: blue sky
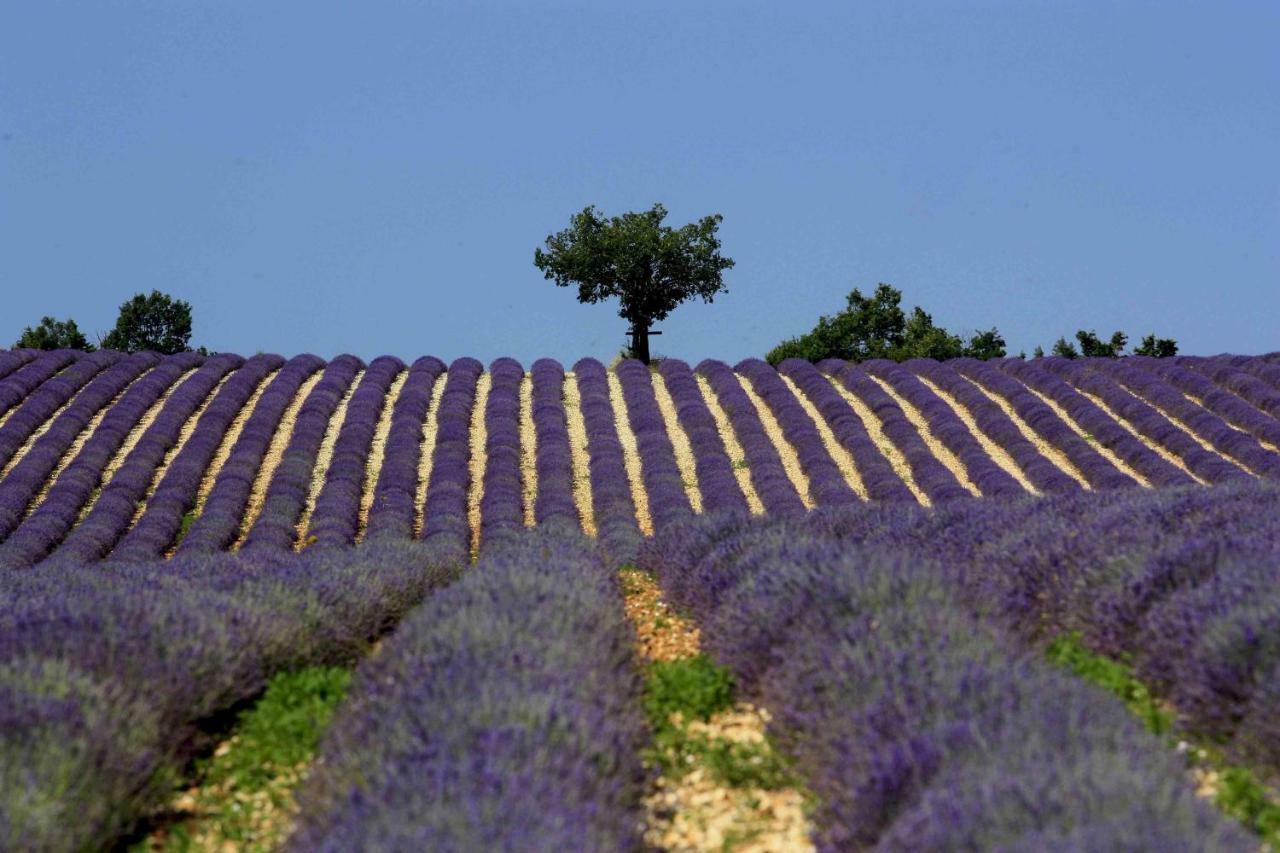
374 178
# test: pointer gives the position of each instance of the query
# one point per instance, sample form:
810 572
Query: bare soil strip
272 458
1155 446
528 453
630 454
697 812
786 453
731 446
1047 450
875 430
426 456
324 458
228 442
479 457
76 446
997 453
578 454
948 459
843 458
685 460
184 435
378 451
1106 452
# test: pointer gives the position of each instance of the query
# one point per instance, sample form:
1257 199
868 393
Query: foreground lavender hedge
916 724
504 714
106 672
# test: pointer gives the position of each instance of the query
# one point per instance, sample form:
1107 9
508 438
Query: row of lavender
1229 404
919 712
504 714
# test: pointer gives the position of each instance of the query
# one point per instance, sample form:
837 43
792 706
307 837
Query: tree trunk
640 341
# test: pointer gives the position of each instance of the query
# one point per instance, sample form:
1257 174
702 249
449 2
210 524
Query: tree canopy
876 327
53 334
650 267
1092 346
155 322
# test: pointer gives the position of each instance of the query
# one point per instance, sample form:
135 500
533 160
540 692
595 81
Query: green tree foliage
876 327
53 334
156 322
1091 346
650 267
1156 347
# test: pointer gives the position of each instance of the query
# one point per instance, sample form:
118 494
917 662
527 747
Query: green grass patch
188 519
243 792
680 692
1238 792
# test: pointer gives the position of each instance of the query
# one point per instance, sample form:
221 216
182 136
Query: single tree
1156 347
650 267
53 334
156 322
987 345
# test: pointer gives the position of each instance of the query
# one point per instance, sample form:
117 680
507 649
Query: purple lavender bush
615 513
714 469
668 501
768 477
554 506
503 714
391 514
445 518
46 398
17 386
502 501
175 494
107 672
931 476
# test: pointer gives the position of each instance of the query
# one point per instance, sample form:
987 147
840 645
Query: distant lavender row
501 507
1205 424
106 671
1148 422
1097 424
612 504
175 494
20 487
931 476
917 725
11 360
716 481
504 714
878 477
668 501
767 474
276 526
553 461
1096 469
827 486
445 515
49 523
47 398
223 512
119 500
991 420
1254 390
335 519
391 514
946 426
15 388
1215 398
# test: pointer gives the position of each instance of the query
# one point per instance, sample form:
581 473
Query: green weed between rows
243 793
681 692
1239 793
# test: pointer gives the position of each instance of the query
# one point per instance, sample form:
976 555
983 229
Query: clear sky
374 177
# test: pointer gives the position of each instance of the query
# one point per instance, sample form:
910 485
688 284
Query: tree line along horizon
651 268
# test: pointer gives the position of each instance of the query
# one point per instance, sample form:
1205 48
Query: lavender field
1009 604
